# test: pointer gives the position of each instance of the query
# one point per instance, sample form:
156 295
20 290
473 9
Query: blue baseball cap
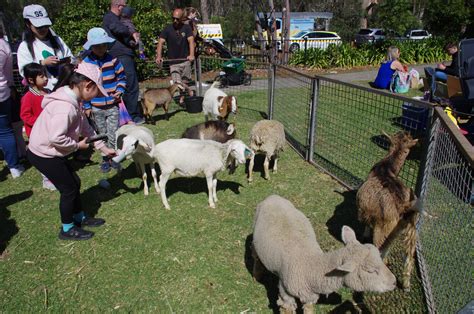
97 36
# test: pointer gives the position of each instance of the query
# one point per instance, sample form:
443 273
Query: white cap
37 15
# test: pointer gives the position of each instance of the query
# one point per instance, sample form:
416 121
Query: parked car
417 34
313 39
369 36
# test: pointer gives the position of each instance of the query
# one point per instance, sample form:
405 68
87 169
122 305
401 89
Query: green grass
189 259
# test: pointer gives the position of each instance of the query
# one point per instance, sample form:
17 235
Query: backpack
400 82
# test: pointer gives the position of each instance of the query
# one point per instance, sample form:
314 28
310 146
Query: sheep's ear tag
247 153
347 267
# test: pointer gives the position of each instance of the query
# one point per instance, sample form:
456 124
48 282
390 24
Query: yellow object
449 112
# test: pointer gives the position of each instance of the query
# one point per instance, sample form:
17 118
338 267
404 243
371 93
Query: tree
448 17
395 15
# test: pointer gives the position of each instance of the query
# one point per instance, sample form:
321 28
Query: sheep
217 104
138 143
219 131
268 137
285 244
191 157
158 97
387 206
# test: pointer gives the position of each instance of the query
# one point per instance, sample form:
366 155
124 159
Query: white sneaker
17 172
48 185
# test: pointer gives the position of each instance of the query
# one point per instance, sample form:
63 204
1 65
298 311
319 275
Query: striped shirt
113 79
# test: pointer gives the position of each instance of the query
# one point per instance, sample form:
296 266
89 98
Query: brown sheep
219 131
158 97
387 206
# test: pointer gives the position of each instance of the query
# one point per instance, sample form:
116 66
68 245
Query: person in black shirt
442 70
180 42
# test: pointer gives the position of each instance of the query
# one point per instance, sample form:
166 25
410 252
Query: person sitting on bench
441 72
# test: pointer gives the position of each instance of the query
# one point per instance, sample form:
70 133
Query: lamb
217 104
387 206
268 137
190 158
285 243
138 143
158 97
219 131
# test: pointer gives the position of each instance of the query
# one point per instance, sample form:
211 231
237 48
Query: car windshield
302 33
364 31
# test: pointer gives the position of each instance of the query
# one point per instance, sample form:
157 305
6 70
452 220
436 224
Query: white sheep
267 137
137 142
285 243
191 157
217 104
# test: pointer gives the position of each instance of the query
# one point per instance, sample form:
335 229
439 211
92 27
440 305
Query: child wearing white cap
41 45
105 109
55 136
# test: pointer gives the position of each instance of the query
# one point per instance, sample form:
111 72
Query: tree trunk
258 27
286 31
205 11
273 44
367 6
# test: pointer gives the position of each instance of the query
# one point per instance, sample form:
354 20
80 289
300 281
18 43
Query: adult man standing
179 39
124 52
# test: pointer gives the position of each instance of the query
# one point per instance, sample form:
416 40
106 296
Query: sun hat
37 15
92 72
97 36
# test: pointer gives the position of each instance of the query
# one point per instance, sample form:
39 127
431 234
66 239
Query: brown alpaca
158 97
225 107
387 206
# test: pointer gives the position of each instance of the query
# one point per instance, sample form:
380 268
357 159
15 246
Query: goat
284 243
217 104
160 97
219 131
190 158
138 143
387 206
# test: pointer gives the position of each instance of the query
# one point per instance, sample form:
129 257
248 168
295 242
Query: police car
313 39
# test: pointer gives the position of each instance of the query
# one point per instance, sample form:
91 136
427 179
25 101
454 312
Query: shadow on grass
160 117
258 165
270 282
196 185
8 227
95 195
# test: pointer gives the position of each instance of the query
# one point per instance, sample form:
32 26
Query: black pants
130 97
63 176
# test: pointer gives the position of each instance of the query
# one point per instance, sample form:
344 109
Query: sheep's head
238 153
362 268
130 144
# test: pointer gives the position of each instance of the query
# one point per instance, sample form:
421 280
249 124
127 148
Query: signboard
210 31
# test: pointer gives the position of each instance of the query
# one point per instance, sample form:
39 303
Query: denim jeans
433 75
7 136
130 97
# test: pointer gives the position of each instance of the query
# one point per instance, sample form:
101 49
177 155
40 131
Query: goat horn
385 134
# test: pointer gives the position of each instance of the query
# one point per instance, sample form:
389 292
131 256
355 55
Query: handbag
124 116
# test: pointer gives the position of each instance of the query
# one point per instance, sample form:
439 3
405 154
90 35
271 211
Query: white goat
267 137
217 104
285 243
191 157
137 142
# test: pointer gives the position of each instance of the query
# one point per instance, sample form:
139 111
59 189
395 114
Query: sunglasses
176 18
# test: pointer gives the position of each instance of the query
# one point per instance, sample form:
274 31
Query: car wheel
294 47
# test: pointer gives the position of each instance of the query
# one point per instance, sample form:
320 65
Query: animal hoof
146 193
212 205
250 180
267 178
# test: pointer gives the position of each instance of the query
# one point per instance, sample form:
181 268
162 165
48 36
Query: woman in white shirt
41 45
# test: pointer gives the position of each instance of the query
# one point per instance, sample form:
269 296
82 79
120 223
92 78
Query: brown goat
226 106
219 131
387 206
158 97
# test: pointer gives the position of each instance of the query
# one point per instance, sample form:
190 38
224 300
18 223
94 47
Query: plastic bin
414 117
193 104
234 65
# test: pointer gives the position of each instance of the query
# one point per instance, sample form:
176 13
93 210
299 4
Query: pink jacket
58 127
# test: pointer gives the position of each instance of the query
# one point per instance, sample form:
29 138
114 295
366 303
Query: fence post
198 73
305 47
315 84
271 90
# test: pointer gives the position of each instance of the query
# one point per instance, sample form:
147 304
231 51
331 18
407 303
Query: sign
210 31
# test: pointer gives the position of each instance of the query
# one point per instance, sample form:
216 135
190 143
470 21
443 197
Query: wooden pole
286 31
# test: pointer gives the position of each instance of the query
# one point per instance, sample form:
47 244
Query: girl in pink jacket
55 135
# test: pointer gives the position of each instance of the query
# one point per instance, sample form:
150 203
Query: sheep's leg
163 179
214 188
252 160
266 163
258 268
410 245
308 308
210 189
275 163
286 302
153 174
144 178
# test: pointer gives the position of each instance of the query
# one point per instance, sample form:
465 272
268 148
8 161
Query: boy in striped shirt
105 110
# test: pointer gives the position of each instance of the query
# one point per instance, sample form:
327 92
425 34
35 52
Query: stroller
233 70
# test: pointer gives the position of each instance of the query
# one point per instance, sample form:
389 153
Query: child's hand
51 60
82 144
117 95
108 151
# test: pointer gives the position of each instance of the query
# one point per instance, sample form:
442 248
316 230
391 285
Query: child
55 135
37 79
126 19
105 111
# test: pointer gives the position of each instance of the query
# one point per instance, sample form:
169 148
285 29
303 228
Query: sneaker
115 165
90 222
17 171
105 166
48 185
76 234
138 120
